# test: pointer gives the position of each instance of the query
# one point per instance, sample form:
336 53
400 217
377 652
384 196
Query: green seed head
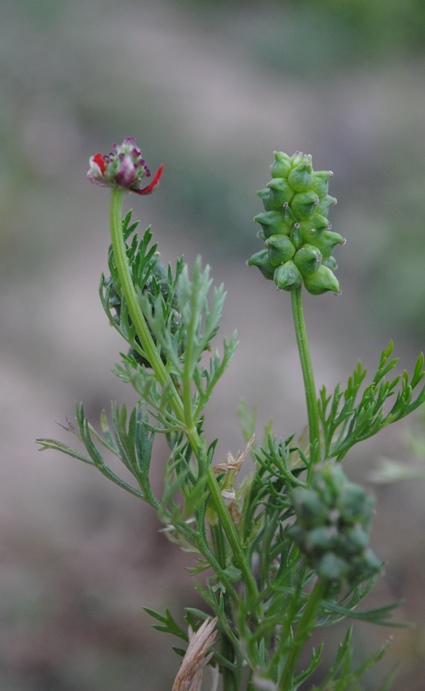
297 203
333 518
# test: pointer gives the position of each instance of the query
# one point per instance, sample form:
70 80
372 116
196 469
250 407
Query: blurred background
212 88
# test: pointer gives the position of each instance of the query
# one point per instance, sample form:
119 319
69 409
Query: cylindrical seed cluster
333 518
294 225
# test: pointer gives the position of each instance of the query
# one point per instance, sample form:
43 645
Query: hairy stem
308 376
163 377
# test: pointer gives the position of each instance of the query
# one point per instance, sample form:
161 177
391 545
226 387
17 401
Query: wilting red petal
150 188
100 161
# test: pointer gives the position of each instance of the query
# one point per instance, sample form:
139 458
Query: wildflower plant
285 550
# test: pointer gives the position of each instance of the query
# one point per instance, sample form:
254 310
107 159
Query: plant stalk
152 354
308 376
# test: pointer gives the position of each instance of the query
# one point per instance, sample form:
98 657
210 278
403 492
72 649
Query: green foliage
335 33
346 422
285 550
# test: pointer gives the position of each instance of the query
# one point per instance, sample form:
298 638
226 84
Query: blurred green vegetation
310 36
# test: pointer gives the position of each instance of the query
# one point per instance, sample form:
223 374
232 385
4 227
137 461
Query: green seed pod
331 263
327 241
322 281
329 481
325 203
280 249
309 507
280 193
264 195
322 539
300 177
308 259
356 540
316 223
281 166
297 158
272 223
320 182
332 568
287 276
261 260
354 505
369 564
304 204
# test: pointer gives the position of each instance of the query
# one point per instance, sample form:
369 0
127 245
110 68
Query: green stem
304 629
152 354
230 677
129 292
308 376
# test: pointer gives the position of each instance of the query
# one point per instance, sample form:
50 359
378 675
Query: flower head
124 167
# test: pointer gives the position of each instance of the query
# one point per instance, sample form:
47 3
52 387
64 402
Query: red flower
124 167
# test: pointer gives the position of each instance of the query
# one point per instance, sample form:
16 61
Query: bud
280 249
287 276
322 281
124 167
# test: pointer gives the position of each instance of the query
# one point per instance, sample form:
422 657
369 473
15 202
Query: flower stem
129 292
163 377
308 376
